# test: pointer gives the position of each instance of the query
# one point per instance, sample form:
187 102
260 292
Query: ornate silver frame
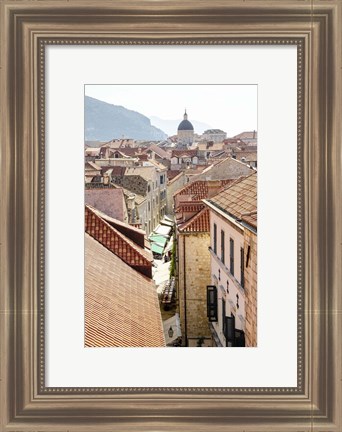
27 27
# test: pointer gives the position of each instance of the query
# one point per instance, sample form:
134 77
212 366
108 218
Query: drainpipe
184 276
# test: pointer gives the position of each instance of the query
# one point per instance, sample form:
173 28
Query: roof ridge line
123 237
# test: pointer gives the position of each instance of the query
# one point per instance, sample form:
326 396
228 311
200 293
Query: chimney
131 202
214 187
106 179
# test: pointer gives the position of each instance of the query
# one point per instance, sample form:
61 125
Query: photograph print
170 215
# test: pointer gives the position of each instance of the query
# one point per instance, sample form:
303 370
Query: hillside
103 122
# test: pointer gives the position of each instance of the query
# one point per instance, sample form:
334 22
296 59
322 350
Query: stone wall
251 288
197 277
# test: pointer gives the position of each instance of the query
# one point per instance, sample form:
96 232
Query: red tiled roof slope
133 255
198 223
121 305
239 198
190 206
185 153
251 219
199 189
109 200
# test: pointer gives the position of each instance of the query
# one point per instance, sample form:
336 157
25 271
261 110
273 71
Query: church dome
185 125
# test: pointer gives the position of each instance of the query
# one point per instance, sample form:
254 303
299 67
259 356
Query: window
212 303
215 238
230 330
222 246
242 267
161 179
248 255
231 244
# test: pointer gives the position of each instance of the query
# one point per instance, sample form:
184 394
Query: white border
274 362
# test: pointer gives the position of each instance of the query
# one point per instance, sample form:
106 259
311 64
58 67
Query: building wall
162 185
250 239
215 137
172 187
221 274
185 137
194 283
124 162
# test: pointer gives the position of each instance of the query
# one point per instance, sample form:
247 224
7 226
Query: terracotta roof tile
185 153
198 223
146 173
239 198
119 244
134 233
171 174
158 151
199 189
189 206
109 200
251 219
247 135
117 171
121 305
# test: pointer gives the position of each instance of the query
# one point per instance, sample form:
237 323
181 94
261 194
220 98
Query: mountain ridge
104 121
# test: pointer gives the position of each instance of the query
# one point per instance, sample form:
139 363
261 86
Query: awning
169 246
157 249
161 274
167 223
158 239
163 230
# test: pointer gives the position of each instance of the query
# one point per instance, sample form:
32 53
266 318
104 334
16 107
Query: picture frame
27 27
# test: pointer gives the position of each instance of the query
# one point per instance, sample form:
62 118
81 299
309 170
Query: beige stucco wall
197 270
250 239
172 187
220 274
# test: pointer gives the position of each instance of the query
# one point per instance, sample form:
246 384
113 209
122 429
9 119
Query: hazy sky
232 108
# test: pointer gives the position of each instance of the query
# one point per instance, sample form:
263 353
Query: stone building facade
214 135
144 181
251 270
193 240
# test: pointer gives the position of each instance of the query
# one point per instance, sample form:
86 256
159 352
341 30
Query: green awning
154 238
157 249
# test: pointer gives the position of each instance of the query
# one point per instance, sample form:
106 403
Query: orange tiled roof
184 153
121 305
130 252
199 189
190 206
108 199
198 223
159 151
239 198
247 135
171 174
251 219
